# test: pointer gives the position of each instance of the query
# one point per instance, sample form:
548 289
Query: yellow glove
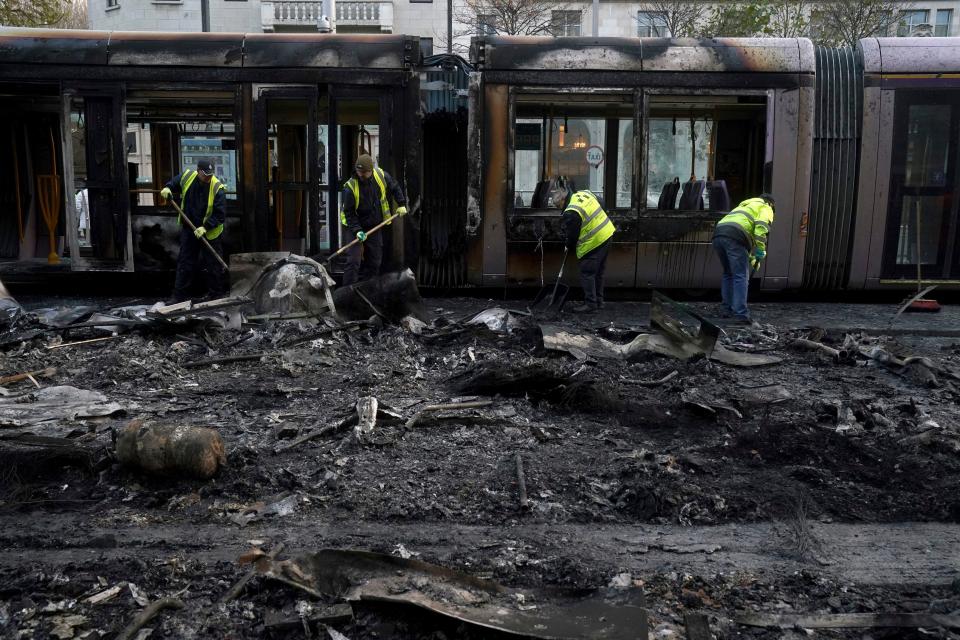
199 232
399 211
165 193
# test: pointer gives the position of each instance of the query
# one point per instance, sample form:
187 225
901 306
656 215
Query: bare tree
505 17
681 18
75 17
845 22
33 13
788 18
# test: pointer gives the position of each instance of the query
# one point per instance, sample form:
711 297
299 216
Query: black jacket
368 214
195 205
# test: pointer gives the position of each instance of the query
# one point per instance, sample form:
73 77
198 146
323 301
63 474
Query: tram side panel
911 165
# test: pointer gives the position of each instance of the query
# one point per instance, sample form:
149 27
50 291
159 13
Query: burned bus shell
96 122
670 132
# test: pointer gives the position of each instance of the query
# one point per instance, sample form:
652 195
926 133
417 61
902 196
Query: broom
918 302
48 190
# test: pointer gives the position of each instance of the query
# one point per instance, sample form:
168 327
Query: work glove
362 236
165 193
401 211
199 231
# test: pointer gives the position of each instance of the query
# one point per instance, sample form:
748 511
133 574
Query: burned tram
95 123
860 148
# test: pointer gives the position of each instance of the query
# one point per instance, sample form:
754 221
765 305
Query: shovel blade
546 300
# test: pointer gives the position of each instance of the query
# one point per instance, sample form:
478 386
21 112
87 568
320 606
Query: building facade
173 15
428 18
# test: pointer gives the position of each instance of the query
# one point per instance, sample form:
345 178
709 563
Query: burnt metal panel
53 46
836 163
444 90
638 54
222 50
153 48
752 55
689 263
920 55
443 218
197 75
357 51
670 79
497 133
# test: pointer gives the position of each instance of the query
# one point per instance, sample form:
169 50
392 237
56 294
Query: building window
113 4
651 24
426 47
911 20
944 18
565 23
486 24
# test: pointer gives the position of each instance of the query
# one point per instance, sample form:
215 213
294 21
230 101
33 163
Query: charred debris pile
291 402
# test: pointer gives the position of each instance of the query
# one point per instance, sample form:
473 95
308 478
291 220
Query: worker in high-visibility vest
203 199
740 241
587 229
365 202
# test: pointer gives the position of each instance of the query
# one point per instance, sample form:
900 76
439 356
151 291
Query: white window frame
566 22
647 26
908 21
945 25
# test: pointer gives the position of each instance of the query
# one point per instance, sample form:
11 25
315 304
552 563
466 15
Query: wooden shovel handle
184 217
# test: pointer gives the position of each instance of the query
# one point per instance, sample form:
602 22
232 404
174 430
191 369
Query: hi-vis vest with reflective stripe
215 185
355 189
754 217
595 226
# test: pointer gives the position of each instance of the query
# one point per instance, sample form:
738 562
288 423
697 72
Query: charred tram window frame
568 108
719 106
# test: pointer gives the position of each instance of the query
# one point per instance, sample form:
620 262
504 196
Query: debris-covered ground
826 483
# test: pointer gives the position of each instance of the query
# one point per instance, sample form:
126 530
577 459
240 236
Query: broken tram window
703 152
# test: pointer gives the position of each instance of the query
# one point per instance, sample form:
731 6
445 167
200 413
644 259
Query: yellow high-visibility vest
595 225
355 189
186 179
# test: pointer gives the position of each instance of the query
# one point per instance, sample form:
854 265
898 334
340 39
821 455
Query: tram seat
718 195
540 193
691 199
668 195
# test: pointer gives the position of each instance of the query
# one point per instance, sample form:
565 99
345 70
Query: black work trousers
363 258
592 267
195 260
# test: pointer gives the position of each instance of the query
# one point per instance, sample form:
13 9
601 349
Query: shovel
552 301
